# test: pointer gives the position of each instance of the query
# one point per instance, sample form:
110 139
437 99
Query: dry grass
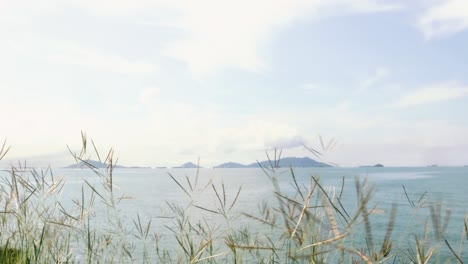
309 226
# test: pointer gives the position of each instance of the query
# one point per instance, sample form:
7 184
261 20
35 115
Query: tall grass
305 224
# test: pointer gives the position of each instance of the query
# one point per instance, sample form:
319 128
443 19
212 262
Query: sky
164 82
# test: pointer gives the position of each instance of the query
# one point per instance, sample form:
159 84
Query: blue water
147 193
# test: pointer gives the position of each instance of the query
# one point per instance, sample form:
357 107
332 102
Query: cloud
380 74
148 95
223 34
73 54
433 94
231 34
288 142
370 6
447 18
21 12
318 89
212 34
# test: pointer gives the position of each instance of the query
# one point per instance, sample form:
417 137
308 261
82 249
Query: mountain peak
90 164
187 165
304 162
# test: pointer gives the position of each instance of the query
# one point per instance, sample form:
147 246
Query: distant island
295 162
230 165
188 165
376 165
99 165
304 162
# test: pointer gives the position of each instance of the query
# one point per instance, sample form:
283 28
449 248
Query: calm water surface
146 192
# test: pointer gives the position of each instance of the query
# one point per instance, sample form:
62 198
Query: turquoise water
148 193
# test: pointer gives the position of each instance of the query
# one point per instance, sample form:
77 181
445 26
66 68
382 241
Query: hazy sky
167 81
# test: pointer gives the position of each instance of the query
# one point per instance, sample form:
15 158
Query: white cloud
22 12
370 6
315 89
443 133
220 34
73 54
231 34
57 50
287 142
148 95
433 94
217 34
175 132
120 8
36 127
380 74
397 142
447 18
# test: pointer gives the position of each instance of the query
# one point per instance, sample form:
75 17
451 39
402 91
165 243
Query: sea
423 196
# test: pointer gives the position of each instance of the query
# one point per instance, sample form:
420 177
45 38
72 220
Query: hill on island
231 165
187 165
304 162
90 163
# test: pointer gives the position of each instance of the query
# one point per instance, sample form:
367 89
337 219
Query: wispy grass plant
308 223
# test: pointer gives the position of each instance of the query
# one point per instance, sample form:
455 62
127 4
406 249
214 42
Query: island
230 165
187 165
91 164
295 162
100 165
